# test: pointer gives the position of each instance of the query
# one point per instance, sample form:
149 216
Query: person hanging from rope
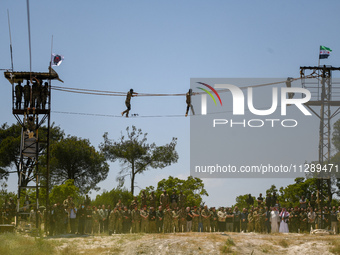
128 102
188 101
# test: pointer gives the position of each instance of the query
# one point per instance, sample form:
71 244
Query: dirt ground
199 243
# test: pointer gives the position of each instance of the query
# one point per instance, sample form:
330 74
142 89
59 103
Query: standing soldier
173 200
188 101
112 221
81 215
35 93
128 102
195 219
182 224
262 216
251 221
95 217
135 219
104 214
44 95
294 219
134 203
221 219
18 95
89 220
126 220
189 218
244 220
334 221
175 219
303 220
152 199
167 220
213 220
229 220
27 94
206 219
237 219
152 220
145 220
159 219
119 221
164 199
256 215
311 219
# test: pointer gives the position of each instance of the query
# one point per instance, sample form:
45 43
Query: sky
157 47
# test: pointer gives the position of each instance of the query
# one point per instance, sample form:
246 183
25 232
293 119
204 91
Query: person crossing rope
128 102
188 101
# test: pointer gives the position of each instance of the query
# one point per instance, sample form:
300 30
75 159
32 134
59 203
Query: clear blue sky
156 47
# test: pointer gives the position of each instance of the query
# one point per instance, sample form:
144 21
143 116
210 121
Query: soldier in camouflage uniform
95 217
164 199
136 219
27 94
195 219
152 220
175 219
256 215
44 95
262 217
112 221
213 220
206 219
182 220
18 95
119 221
145 220
159 219
134 203
251 221
294 219
167 220
303 220
152 199
126 220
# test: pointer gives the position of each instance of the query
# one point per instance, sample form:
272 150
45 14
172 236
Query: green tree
75 159
290 195
60 192
5 194
10 138
192 187
112 197
241 201
136 155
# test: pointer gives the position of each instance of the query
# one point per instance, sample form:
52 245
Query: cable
115 93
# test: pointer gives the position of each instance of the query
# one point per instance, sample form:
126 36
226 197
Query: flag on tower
57 59
324 52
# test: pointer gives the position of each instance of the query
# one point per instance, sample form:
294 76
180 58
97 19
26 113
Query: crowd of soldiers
170 213
34 96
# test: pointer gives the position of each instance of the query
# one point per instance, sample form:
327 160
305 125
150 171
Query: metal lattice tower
325 96
31 115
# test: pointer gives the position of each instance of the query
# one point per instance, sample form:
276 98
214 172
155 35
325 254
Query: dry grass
335 247
17 244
